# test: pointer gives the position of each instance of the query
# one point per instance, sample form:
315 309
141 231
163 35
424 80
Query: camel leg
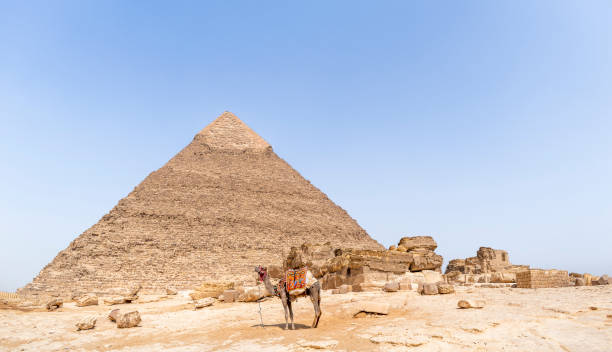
290 313
284 300
315 297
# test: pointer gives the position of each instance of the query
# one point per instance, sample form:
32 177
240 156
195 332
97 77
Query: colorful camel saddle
298 280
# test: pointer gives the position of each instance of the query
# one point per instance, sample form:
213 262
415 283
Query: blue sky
481 123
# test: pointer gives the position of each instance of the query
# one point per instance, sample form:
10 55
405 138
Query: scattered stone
86 323
54 304
87 300
593 308
392 247
445 288
603 280
204 302
432 277
391 287
113 315
252 293
428 289
345 289
587 279
128 320
465 304
171 291
580 282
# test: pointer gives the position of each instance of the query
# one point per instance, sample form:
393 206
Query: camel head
262 271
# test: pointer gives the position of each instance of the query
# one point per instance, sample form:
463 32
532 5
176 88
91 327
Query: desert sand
513 319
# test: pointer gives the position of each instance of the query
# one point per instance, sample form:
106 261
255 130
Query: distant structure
487 260
537 278
224 203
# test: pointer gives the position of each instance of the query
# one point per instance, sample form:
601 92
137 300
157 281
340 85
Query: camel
280 290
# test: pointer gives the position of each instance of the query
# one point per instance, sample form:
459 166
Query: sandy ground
563 319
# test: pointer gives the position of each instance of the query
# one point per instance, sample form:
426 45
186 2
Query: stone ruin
365 270
489 265
223 204
537 278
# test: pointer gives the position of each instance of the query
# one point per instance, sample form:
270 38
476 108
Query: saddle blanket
298 280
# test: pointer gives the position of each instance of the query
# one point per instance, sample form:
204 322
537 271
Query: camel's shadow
282 326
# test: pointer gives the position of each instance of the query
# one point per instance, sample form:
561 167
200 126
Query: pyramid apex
228 132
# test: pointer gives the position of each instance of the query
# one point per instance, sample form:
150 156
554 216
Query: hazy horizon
480 124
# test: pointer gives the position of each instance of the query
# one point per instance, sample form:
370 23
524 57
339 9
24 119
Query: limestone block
431 277
428 289
114 300
391 287
580 281
445 288
171 291
87 300
86 323
114 314
54 304
230 296
426 242
128 320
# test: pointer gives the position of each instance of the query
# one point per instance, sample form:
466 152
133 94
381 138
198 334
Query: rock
86 323
210 289
391 287
130 299
464 304
128 320
425 242
576 275
113 315
587 279
392 248
87 300
133 290
171 291
401 248
425 260
204 302
428 289
318 345
373 308
54 304
445 288
114 300
603 280
230 296
580 281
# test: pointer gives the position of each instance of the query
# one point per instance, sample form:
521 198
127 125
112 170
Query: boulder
86 323
392 248
425 260
401 248
54 304
576 275
128 320
587 279
170 291
580 281
391 287
345 288
445 288
465 304
428 289
113 315
87 300
603 280
133 290
230 296
425 242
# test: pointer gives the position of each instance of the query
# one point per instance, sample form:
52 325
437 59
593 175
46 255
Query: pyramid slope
223 204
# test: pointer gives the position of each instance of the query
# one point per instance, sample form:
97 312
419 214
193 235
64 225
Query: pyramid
223 204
